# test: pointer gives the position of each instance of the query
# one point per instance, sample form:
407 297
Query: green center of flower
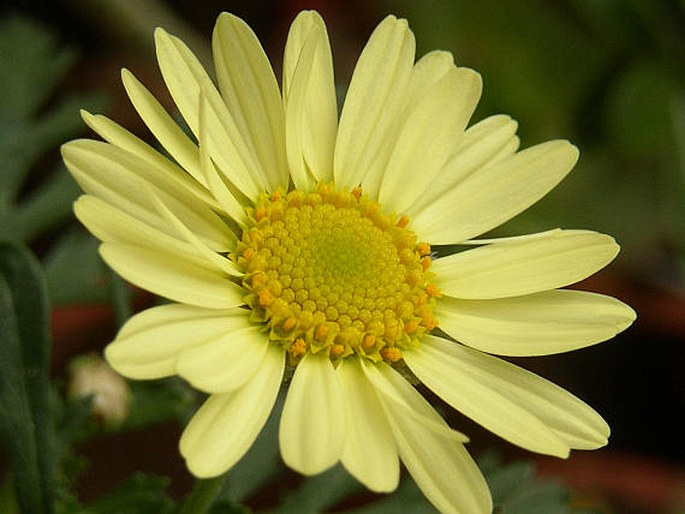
329 272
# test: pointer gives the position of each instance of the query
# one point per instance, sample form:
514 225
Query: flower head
287 238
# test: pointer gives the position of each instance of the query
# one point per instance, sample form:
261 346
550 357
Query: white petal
227 362
249 88
310 102
519 406
485 200
432 126
514 268
148 344
227 424
313 426
369 453
536 324
439 464
376 96
173 276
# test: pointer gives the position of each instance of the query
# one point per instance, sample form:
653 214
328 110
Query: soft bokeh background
607 74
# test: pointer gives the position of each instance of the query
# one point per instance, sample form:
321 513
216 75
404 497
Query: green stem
201 498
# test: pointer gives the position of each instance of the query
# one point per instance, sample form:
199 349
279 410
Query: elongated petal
111 225
521 267
368 123
221 262
227 197
118 136
227 362
163 126
310 102
227 424
249 88
519 406
394 388
313 425
536 324
485 200
435 119
124 180
442 468
437 461
369 453
481 145
185 78
173 276
148 344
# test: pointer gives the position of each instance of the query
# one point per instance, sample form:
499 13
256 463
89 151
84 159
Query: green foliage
26 430
139 494
516 490
36 192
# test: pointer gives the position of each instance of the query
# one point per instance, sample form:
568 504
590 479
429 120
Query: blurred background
607 74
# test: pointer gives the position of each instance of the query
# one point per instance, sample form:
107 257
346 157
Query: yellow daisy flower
291 240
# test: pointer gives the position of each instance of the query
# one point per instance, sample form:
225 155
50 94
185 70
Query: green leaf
26 428
516 490
86 283
35 194
139 494
158 401
33 65
319 492
406 498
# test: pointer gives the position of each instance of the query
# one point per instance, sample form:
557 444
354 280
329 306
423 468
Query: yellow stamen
328 271
391 354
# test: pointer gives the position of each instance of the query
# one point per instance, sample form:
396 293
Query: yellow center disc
328 272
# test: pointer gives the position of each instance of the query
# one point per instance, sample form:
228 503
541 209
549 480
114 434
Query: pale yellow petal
185 78
515 268
116 135
112 225
537 324
163 126
123 180
310 101
483 144
368 122
519 406
369 454
173 277
226 196
227 424
485 200
148 344
443 470
224 364
313 425
394 388
220 261
249 88
432 126
437 461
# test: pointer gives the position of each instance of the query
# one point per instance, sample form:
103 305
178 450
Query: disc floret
328 272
